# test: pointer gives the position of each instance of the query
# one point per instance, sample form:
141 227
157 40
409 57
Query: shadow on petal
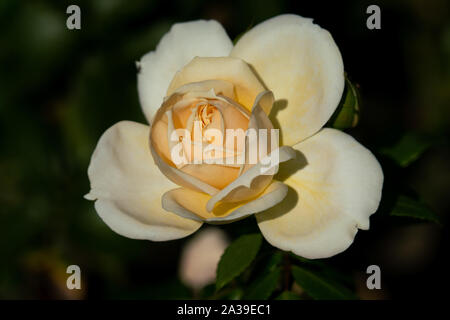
288 203
278 105
290 167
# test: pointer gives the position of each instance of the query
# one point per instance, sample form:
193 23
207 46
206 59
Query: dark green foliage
237 257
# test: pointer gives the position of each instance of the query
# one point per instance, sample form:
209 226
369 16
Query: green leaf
229 293
347 113
407 149
325 269
263 287
288 295
237 257
207 291
235 294
406 206
273 262
318 287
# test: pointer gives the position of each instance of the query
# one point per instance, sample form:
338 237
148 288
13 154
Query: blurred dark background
61 89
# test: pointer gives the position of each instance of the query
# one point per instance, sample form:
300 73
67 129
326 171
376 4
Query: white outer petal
180 45
128 187
301 64
335 186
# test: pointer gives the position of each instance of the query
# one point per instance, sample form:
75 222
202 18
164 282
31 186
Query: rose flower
212 109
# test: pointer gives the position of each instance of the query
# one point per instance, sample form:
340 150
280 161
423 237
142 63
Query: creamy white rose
149 183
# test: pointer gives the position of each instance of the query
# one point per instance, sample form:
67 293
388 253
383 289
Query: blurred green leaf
237 257
406 206
229 293
272 262
208 291
319 287
264 286
288 295
235 294
347 113
325 269
410 147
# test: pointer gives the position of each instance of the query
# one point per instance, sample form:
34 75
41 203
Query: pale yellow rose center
203 123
